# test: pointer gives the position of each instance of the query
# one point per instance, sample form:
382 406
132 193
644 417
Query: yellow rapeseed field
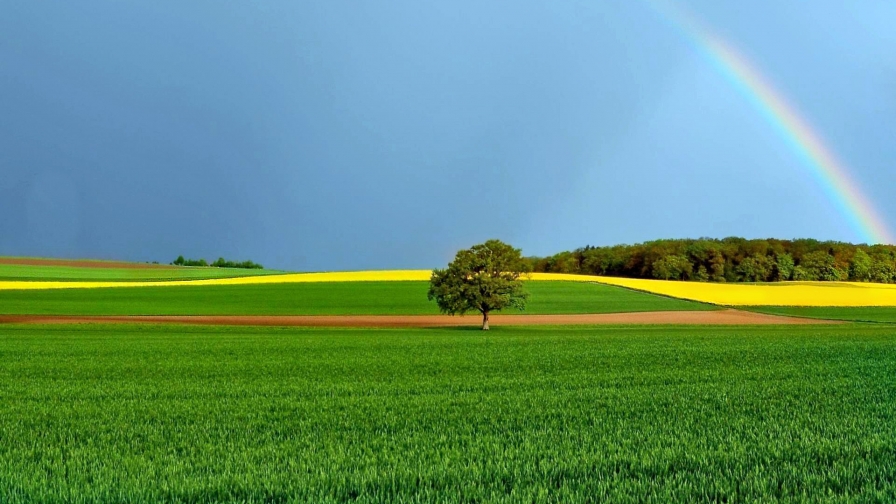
739 294
778 294
340 276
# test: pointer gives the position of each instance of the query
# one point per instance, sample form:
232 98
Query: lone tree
484 278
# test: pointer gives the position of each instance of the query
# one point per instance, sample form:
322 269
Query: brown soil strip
81 263
721 317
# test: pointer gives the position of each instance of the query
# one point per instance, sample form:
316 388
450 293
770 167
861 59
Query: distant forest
730 260
220 263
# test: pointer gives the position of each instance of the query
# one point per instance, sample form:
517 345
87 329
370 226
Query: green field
883 314
152 413
609 414
112 274
346 298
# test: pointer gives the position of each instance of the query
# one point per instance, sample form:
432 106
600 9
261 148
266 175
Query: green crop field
112 274
609 414
883 314
345 298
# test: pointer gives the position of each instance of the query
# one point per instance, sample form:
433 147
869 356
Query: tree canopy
220 263
730 260
483 278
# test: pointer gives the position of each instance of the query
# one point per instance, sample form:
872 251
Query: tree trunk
485 321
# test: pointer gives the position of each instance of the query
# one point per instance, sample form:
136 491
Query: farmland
76 274
806 294
113 272
623 413
317 298
143 413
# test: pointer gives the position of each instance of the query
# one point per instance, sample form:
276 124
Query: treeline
220 263
730 260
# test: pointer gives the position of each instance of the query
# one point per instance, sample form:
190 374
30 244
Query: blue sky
329 135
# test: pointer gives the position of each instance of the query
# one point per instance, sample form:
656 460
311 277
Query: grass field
857 314
112 274
614 414
340 298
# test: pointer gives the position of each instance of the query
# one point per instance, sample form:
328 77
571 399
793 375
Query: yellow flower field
341 276
738 294
780 294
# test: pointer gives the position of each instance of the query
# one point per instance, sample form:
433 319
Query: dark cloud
315 136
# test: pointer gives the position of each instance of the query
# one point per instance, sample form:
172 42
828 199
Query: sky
321 135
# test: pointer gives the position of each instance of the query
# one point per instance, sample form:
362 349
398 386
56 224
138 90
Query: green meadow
336 298
602 414
885 314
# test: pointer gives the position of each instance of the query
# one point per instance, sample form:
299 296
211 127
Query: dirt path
81 263
721 317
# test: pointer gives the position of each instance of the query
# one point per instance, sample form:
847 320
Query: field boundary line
728 317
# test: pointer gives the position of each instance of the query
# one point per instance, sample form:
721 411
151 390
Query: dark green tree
801 274
672 267
755 268
820 265
883 269
701 275
783 267
860 266
483 278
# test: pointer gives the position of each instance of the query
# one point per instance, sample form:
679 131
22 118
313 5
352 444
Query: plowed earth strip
721 317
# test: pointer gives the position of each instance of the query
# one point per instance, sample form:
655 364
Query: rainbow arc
830 172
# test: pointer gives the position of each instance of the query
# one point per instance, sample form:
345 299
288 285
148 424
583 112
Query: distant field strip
346 276
330 277
72 274
844 294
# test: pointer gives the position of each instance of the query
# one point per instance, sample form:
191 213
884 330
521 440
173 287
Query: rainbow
830 173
